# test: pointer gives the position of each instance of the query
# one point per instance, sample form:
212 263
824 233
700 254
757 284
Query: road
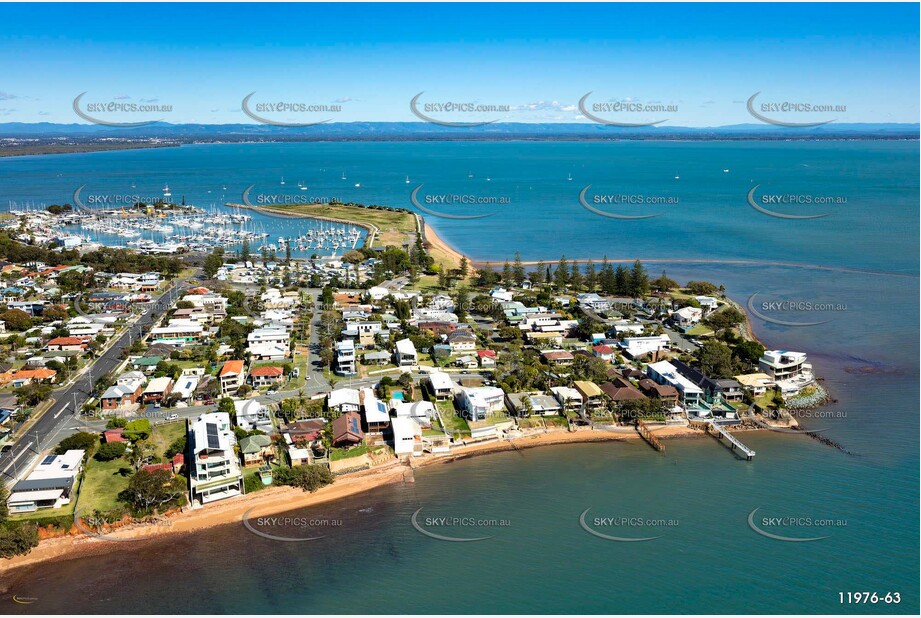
62 418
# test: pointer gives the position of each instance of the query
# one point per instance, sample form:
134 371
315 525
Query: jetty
643 429
734 442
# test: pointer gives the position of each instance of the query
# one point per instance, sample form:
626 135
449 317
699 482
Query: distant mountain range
382 131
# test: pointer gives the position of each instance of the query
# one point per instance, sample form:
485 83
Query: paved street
62 418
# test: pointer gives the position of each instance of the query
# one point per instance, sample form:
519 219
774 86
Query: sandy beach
275 500
439 249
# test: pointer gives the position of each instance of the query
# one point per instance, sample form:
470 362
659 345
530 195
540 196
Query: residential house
256 450
487 358
442 387
727 389
24 377
120 396
147 364
266 375
755 383
406 355
184 389
592 396
686 317
569 398
214 471
347 430
636 347
376 413
477 403
344 400
231 377
407 437
654 390
157 390
462 341
49 486
620 390
604 352
525 404
664 372
420 411
70 344
344 363
250 415
557 357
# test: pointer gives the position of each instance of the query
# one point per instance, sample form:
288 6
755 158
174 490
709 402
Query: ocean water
543 561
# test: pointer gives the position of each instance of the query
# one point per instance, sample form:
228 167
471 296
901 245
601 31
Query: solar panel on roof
211 430
48 460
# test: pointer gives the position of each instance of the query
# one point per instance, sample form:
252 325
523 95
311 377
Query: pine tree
576 279
507 273
621 280
591 279
561 276
518 270
537 277
639 280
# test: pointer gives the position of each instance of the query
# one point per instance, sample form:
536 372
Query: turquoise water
543 561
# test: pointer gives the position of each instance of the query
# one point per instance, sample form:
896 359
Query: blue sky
702 62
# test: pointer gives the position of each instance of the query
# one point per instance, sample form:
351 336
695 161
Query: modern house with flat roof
214 473
345 358
406 355
663 372
49 486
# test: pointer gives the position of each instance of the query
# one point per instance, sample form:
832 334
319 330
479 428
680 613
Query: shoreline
280 499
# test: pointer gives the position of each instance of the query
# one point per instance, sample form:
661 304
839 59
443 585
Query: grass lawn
453 422
163 435
699 330
340 453
102 485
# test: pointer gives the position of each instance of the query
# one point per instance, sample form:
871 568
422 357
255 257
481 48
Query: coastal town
136 386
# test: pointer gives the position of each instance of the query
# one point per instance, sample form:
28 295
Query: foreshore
275 500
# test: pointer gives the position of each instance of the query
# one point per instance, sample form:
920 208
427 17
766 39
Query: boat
343 176
570 176
357 184
407 180
166 192
725 171
282 180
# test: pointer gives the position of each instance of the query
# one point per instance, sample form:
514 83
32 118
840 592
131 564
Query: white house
569 398
635 347
344 400
215 471
345 358
663 372
406 355
442 385
407 437
49 485
251 415
479 402
686 317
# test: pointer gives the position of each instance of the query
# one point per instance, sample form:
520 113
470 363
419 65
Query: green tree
4 507
725 319
464 269
715 359
110 451
576 280
226 405
17 539
639 280
16 319
561 276
213 262
309 478
507 274
82 441
150 490
518 273
591 277
664 284
621 280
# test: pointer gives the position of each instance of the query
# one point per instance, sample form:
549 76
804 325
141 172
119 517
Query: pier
734 442
647 435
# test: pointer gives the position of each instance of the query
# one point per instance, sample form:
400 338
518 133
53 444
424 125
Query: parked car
172 417
272 391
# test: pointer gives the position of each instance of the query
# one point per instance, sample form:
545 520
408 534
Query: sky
693 65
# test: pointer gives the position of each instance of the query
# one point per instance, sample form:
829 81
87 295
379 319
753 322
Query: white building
49 486
264 336
663 372
406 355
344 400
479 402
569 398
789 370
251 415
407 437
345 358
639 346
214 472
